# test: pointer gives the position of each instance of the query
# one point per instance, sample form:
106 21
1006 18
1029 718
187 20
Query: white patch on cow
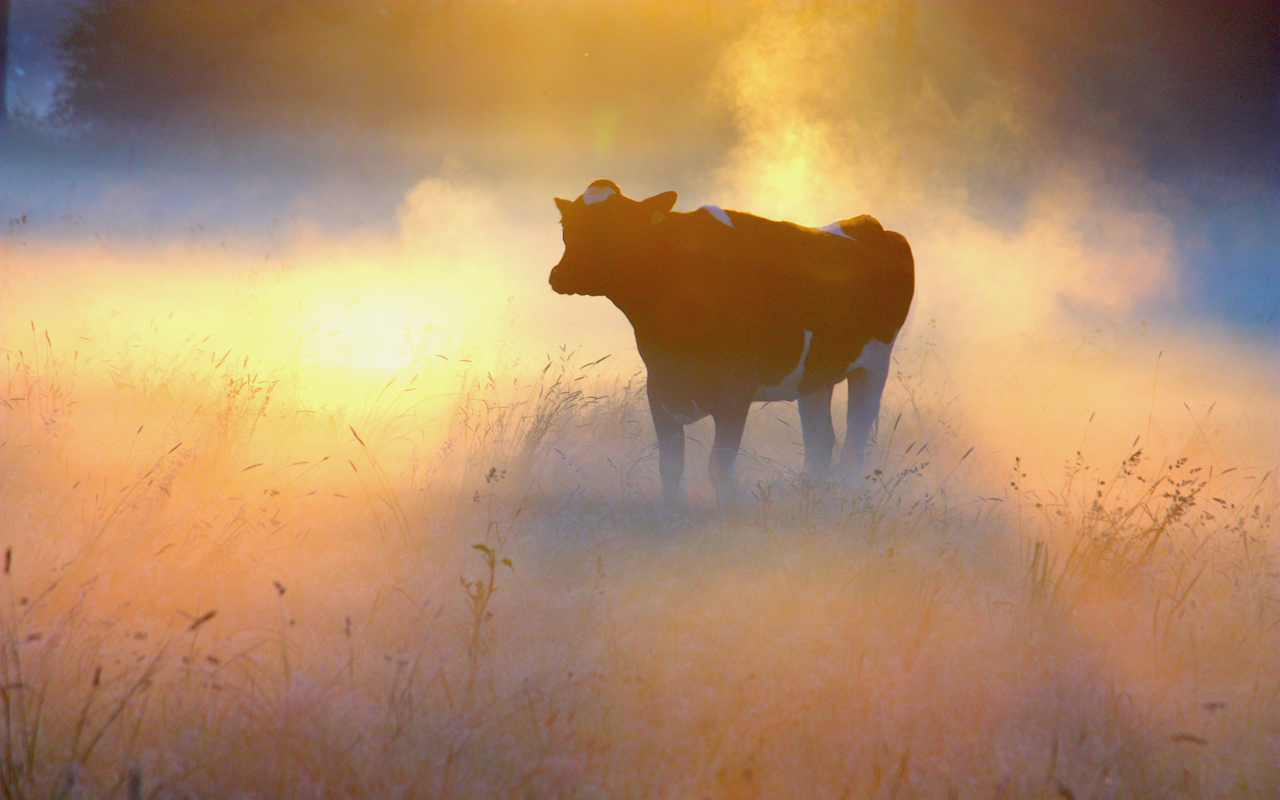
874 358
836 229
718 213
786 388
596 194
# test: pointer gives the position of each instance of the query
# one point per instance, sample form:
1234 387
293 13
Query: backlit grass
459 584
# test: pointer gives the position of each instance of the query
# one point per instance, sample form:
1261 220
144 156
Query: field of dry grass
455 582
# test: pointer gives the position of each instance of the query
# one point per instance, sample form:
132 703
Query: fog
289 356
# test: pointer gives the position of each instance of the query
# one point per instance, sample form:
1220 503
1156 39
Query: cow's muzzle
561 282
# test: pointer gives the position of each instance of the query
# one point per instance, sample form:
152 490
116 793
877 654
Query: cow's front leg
670 449
730 423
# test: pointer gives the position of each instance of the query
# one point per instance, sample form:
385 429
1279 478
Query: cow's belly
786 388
686 417
874 358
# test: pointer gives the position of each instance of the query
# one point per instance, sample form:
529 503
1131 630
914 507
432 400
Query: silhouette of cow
730 308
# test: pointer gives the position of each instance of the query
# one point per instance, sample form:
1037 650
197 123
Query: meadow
243 558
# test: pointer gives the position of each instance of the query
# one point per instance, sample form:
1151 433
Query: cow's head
605 238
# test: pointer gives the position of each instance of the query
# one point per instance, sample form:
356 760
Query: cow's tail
897 280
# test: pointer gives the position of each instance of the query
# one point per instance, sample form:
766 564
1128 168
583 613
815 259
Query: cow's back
857 287
751 290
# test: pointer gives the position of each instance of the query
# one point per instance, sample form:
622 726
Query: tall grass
461 586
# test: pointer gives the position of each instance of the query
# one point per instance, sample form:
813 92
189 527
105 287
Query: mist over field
310 486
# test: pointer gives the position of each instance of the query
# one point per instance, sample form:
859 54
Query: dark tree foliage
4 63
148 60
1180 83
460 62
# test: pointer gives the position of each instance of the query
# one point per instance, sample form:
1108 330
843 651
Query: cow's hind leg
818 432
866 385
670 451
730 424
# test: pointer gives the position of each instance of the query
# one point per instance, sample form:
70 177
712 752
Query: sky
982 102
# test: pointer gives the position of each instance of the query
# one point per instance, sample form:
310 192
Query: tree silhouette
148 60
4 64
461 64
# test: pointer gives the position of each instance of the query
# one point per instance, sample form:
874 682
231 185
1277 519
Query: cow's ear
563 205
657 208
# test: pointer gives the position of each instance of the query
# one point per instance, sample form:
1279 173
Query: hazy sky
1164 109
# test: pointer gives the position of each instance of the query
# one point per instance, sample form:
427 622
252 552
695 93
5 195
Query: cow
730 308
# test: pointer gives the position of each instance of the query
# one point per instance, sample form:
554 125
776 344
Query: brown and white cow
730 308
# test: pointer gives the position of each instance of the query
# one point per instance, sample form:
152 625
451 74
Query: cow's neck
639 305
641 296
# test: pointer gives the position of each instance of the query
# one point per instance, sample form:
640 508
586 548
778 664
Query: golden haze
313 509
